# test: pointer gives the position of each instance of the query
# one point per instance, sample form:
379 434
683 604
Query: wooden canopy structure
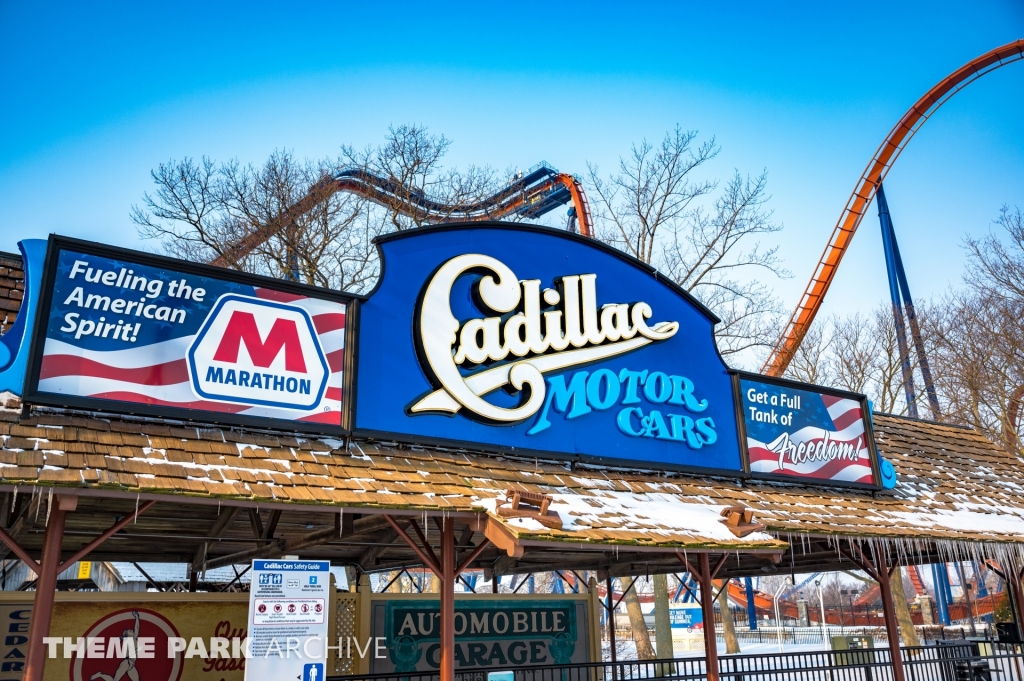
76 484
115 487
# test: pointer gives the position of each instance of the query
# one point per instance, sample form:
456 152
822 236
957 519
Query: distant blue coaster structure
904 315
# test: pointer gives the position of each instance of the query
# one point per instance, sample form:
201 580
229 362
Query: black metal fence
945 661
815 635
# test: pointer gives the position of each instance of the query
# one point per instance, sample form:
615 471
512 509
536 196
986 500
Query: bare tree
856 366
651 209
861 354
201 209
995 266
653 188
641 636
809 362
980 357
732 644
420 189
982 348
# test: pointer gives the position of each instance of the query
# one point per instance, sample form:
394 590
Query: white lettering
78 267
175 645
537 338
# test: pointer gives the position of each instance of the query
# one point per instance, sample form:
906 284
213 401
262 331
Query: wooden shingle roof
955 486
953 483
12 288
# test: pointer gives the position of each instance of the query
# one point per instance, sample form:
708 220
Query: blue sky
97 94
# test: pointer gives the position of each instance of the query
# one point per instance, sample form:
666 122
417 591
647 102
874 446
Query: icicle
49 500
136 518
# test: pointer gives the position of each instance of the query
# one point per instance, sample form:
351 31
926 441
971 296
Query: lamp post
821 603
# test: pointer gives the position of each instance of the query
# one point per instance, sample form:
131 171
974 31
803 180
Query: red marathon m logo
258 352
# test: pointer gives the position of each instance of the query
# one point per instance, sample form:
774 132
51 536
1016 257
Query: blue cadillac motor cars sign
528 339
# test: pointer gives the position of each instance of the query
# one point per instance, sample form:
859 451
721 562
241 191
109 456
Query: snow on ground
626 650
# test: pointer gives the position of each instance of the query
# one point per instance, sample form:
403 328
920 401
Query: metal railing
946 661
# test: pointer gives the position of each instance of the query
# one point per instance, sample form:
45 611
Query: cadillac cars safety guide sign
524 338
140 333
289 619
804 432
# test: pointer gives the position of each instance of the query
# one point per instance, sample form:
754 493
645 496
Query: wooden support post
46 587
610 591
707 606
448 574
892 629
1013 583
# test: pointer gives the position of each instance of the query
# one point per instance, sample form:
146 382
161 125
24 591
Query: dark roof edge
928 421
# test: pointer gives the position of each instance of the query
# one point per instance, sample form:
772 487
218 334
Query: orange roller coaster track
528 195
800 321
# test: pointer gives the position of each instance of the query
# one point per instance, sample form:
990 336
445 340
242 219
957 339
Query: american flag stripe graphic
847 428
157 373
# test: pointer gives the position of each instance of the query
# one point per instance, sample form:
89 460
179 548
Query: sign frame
57 243
741 473
281 569
869 432
591 607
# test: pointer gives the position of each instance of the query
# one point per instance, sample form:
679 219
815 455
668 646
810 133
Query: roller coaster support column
751 608
894 294
941 602
946 584
897 285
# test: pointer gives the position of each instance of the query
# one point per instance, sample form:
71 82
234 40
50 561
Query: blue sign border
741 472
266 403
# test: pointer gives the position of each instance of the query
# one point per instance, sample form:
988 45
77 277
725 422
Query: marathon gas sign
252 351
125 331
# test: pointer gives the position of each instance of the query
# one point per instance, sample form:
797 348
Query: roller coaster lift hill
542 189
730 532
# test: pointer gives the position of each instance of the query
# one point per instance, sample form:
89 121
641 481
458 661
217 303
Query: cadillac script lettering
551 330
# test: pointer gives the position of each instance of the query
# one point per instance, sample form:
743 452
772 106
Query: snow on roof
954 485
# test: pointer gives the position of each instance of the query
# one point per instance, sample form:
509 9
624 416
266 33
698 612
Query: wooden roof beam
280 547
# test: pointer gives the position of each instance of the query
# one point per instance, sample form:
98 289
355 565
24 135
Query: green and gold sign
488 633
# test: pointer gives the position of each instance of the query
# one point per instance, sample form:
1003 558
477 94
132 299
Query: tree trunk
642 638
662 621
899 598
732 645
